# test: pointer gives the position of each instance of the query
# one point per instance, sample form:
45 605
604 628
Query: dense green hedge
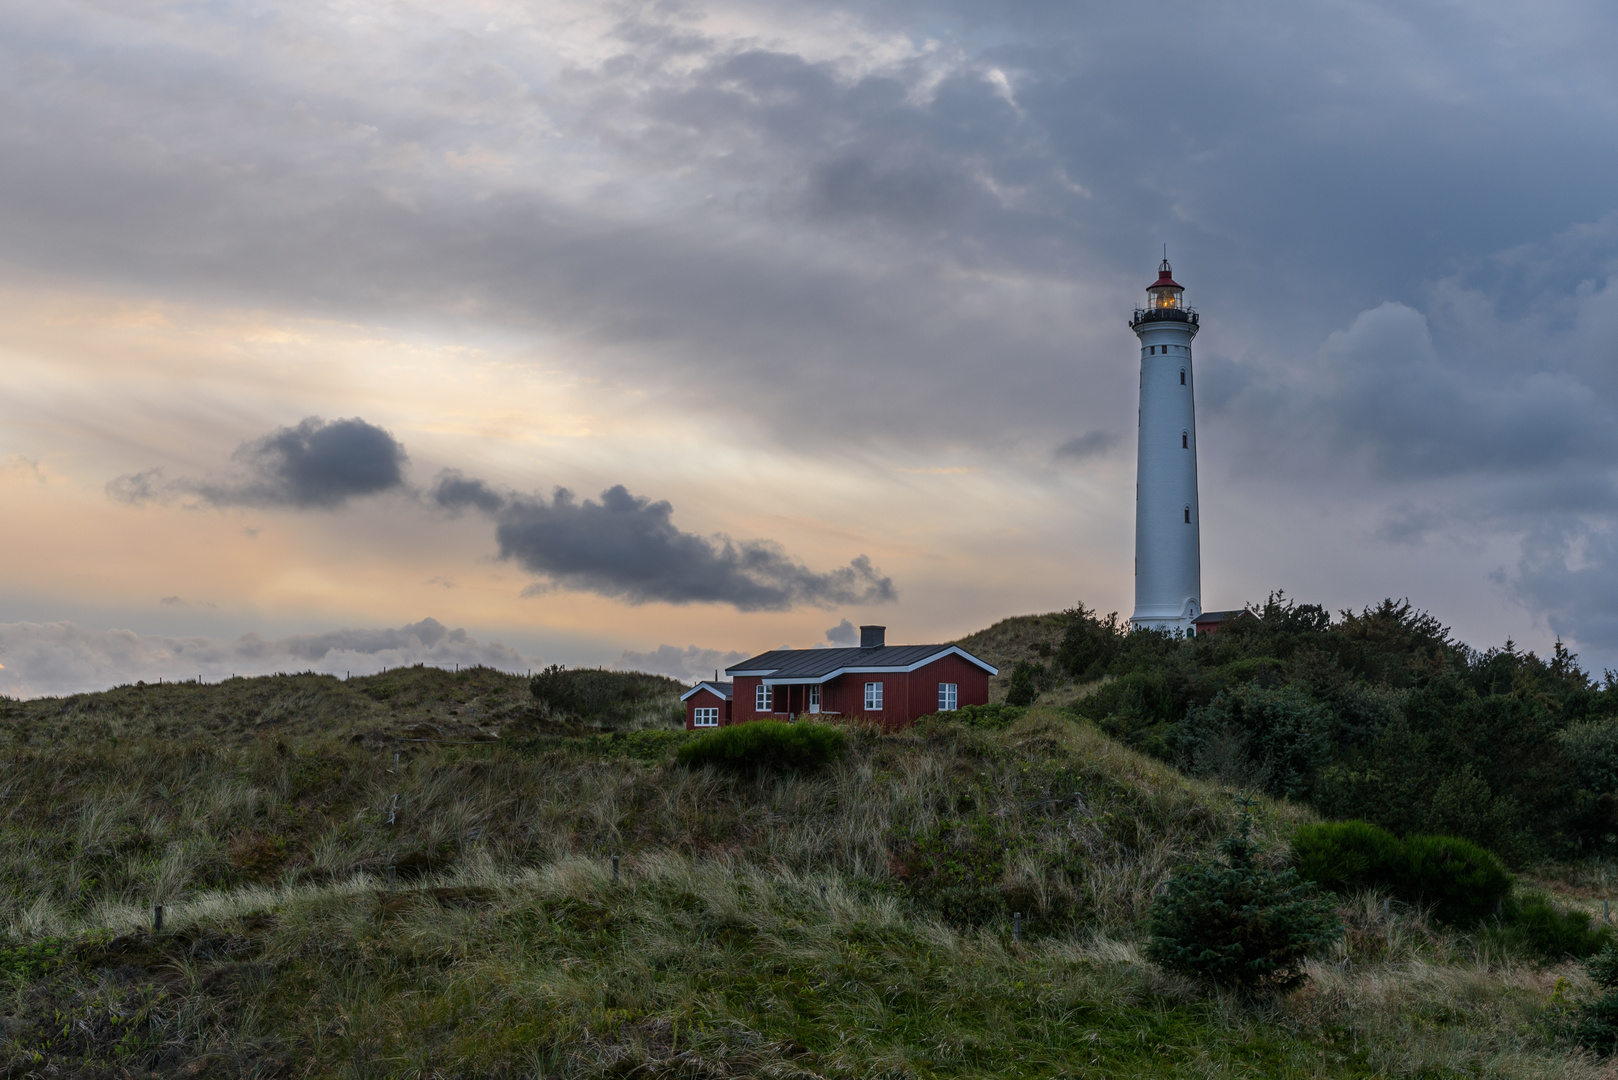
1378 715
1462 881
767 743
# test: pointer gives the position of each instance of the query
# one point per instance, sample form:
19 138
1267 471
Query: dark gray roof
1222 616
723 689
821 663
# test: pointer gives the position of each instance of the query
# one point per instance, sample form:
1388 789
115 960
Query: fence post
615 869
157 919
1016 927
393 876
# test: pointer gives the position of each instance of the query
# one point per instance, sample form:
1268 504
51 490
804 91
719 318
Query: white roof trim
702 686
815 680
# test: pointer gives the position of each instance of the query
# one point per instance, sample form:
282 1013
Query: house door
814 699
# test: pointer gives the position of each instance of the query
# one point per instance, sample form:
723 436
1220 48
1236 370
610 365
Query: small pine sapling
1238 924
1595 1026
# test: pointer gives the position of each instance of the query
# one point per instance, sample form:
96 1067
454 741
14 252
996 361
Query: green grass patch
770 744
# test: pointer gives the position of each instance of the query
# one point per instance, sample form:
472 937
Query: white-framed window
762 698
814 699
948 694
873 696
706 717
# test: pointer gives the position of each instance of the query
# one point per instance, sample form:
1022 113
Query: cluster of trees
1379 715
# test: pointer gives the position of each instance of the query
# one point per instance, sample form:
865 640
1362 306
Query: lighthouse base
1181 623
1186 627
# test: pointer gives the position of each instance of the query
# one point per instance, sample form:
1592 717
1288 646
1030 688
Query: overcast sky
346 334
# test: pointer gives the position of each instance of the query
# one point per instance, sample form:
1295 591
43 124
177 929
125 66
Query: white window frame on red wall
705 716
949 695
763 698
873 697
814 699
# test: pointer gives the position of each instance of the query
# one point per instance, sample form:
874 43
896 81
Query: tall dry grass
502 946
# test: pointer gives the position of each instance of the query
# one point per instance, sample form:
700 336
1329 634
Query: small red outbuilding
707 704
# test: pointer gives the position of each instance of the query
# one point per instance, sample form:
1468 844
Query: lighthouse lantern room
1168 549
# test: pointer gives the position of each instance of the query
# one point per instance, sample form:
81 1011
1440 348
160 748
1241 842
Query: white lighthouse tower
1168 547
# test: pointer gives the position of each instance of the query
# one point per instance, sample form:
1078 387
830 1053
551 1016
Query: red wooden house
886 684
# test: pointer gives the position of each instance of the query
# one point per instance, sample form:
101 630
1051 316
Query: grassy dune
761 925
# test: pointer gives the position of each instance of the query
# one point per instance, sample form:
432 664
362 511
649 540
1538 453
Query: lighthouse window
1154 350
1182 376
1188 515
1185 441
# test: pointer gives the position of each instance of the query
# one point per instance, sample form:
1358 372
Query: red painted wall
745 689
706 699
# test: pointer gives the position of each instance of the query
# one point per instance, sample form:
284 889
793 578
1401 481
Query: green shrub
1237 924
1027 680
1463 882
30 961
764 743
1595 1025
1347 855
988 717
1592 749
1277 736
1533 923
954 869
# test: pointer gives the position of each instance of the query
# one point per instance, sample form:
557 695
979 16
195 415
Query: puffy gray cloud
316 464
688 664
627 546
844 633
61 657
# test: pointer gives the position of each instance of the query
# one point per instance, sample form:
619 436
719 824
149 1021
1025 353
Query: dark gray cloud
315 465
1090 444
627 546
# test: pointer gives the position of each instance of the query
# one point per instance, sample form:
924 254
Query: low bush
1462 881
1347 855
595 695
988 717
1533 923
1238 924
24 962
764 743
